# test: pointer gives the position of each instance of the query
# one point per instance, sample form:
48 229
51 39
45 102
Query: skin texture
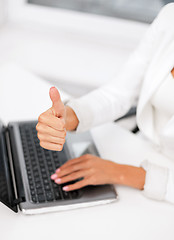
91 170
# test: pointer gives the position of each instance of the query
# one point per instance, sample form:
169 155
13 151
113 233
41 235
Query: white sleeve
159 182
156 181
169 197
113 100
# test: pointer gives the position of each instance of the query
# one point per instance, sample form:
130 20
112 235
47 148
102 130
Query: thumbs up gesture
51 124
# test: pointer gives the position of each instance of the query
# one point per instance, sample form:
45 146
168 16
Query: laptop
25 170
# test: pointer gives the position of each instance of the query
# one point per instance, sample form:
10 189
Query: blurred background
138 10
75 44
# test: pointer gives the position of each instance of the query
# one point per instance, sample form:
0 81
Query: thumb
57 104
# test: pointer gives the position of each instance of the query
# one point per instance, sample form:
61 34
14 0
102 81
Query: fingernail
52 88
58 180
58 170
54 176
65 188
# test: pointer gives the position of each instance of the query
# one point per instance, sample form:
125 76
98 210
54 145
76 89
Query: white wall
3 11
68 47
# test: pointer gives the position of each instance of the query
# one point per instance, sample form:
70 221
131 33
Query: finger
71 169
51 121
41 128
51 146
51 139
71 177
57 104
74 161
77 185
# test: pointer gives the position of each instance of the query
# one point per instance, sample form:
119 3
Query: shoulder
167 10
166 15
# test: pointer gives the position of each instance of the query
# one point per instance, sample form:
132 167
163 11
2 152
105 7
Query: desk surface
132 217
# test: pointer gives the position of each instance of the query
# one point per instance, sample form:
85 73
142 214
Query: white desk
132 217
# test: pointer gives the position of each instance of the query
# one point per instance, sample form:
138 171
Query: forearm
130 176
71 121
122 174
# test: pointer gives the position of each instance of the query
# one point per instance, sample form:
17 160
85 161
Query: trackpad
80 144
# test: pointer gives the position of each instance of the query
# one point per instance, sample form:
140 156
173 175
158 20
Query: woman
147 76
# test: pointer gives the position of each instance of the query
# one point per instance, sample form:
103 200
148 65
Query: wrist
71 120
130 176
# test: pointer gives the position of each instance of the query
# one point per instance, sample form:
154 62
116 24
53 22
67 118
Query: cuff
156 181
170 187
83 113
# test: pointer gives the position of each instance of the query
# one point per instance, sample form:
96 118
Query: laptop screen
7 194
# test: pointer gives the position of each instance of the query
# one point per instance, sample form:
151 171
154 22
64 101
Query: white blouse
163 105
144 79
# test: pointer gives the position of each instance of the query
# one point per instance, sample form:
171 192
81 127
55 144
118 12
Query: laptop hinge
18 200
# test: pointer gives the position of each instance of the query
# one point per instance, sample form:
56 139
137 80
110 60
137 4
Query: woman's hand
93 170
53 123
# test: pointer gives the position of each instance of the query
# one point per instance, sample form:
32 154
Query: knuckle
88 162
62 141
75 176
91 171
85 157
59 147
61 124
38 135
92 179
42 144
62 134
37 127
67 179
41 117
73 168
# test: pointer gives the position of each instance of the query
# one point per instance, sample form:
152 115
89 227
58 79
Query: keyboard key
66 195
44 175
38 185
41 198
45 181
37 179
29 177
36 173
74 194
33 193
47 187
43 170
57 195
49 196
39 191
34 199
55 185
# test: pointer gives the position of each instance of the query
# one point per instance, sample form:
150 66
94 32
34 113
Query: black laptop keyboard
40 165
